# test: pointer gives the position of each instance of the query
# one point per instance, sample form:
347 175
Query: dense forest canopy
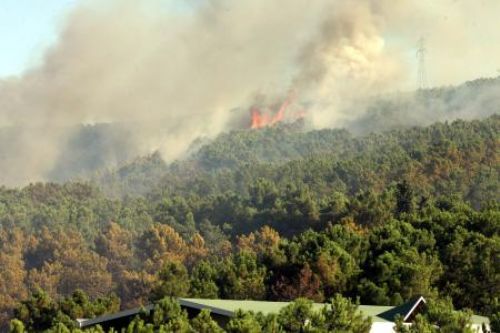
273 214
461 155
325 155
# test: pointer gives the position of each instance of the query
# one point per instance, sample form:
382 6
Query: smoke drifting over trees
170 72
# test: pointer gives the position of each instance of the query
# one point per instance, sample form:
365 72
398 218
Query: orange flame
281 113
260 120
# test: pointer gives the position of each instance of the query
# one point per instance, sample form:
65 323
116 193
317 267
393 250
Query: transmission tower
422 74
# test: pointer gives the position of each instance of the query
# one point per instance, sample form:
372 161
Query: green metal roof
229 307
377 313
480 320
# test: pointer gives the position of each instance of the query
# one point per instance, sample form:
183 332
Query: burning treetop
265 116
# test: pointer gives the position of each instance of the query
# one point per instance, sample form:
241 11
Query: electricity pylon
422 74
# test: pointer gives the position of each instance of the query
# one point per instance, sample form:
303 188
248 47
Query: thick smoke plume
167 72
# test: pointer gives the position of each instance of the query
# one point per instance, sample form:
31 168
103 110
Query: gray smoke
171 71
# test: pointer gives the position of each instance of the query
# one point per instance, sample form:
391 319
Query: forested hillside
81 151
459 158
276 214
293 166
471 100
92 148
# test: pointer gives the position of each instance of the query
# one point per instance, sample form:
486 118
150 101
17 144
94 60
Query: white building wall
479 328
386 327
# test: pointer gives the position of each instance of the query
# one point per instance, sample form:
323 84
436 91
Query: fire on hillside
267 116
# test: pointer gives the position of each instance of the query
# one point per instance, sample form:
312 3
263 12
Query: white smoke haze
170 76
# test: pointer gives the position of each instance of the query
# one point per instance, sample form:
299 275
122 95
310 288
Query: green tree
401 264
79 305
420 325
299 316
442 314
173 280
243 322
203 323
439 317
242 277
168 314
39 312
405 201
202 279
16 326
341 315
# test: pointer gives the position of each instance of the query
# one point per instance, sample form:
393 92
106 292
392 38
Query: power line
422 74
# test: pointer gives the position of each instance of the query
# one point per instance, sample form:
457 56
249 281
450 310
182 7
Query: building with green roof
383 317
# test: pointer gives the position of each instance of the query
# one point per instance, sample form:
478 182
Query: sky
30 27
27 28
